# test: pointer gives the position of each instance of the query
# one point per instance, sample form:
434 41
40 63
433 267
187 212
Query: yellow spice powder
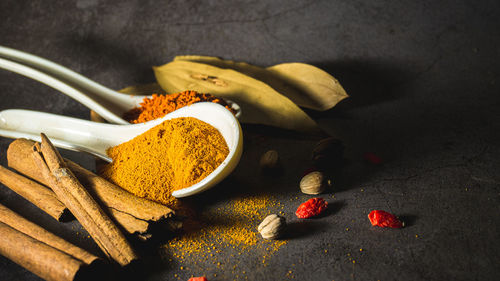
233 227
173 155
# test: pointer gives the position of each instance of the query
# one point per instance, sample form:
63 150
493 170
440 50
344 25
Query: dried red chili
198 279
311 208
372 158
384 219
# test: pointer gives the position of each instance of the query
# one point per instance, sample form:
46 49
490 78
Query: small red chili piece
372 158
384 219
311 208
198 279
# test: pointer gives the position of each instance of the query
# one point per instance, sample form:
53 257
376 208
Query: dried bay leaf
324 91
260 103
306 85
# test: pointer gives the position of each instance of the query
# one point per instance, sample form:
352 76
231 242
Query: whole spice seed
272 227
328 152
311 208
384 219
314 183
269 160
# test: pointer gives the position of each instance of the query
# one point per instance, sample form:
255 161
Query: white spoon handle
65 132
66 74
62 87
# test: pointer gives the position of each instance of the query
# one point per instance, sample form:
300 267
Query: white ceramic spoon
109 104
95 138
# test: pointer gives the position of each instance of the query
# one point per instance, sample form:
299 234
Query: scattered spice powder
173 155
159 105
229 228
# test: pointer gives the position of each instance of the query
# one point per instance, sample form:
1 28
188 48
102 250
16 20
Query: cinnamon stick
39 195
37 257
12 219
41 252
136 215
70 191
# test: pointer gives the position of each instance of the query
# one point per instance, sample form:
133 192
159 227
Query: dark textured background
423 80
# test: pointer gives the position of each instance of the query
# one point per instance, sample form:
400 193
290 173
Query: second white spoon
109 104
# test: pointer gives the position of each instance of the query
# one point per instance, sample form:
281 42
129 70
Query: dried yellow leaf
304 84
260 103
323 90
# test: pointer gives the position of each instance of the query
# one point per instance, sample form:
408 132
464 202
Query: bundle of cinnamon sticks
136 215
64 189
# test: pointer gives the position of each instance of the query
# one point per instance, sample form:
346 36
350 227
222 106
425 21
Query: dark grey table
423 80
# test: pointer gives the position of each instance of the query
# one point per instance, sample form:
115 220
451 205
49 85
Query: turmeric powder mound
173 155
159 105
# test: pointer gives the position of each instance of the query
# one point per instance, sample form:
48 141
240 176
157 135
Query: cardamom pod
328 152
269 160
272 227
314 183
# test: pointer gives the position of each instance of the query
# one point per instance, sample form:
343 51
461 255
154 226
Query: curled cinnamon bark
85 209
136 215
37 194
29 228
41 252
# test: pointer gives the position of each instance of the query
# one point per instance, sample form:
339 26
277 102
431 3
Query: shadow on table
408 220
368 82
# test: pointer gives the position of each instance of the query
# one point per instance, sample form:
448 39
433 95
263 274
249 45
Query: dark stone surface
425 97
